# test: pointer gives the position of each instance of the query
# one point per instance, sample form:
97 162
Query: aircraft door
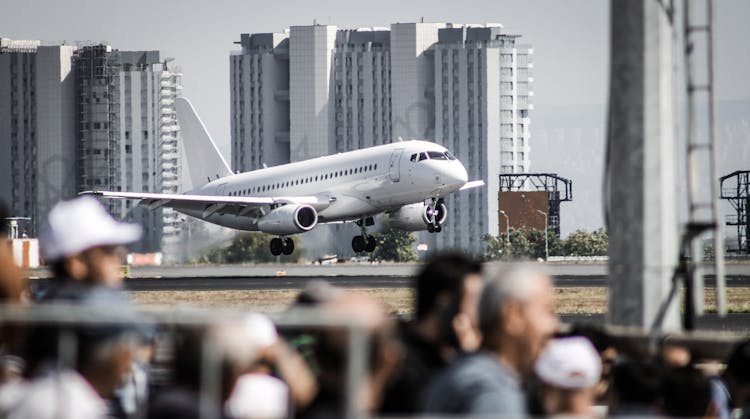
394 167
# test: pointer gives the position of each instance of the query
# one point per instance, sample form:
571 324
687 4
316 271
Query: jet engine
289 219
416 217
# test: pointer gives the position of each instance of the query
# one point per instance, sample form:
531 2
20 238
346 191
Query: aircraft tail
205 162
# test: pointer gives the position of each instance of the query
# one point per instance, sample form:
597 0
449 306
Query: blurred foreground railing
66 317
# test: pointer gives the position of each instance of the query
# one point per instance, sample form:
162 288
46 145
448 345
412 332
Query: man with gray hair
516 318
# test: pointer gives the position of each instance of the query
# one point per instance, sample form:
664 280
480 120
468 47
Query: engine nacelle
289 219
416 217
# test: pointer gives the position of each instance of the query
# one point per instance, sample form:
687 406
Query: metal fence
66 317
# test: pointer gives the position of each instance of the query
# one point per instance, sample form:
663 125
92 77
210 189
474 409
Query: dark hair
686 392
636 383
738 364
443 274
596 334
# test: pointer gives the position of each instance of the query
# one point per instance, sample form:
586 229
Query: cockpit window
437 155
423 156
414 157
449 155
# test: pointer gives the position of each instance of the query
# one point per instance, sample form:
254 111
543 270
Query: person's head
333 343
440 283
569 370
83 243
447 295
686 392
737 373
635 388
517 315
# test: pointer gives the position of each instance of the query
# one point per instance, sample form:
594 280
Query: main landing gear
364 242
281 245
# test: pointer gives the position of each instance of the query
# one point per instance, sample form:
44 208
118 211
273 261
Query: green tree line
529 244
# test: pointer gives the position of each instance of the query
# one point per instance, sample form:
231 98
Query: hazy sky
570 39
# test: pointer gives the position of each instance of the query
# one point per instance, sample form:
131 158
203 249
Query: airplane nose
456 174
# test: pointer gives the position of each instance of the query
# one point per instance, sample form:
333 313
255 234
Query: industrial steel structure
735 187
558 188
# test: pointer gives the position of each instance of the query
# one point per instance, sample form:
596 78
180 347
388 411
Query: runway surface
563 270
353 281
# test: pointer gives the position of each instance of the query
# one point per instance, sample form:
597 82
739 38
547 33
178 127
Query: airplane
407 180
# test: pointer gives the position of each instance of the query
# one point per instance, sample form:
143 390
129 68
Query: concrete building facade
260 101
169 157
361 89
37 137
75 119
310 65
119 130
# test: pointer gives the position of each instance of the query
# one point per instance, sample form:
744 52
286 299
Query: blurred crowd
478 344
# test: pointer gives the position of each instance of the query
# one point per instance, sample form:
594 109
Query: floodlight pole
507 228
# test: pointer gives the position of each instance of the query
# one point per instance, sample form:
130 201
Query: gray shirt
477 384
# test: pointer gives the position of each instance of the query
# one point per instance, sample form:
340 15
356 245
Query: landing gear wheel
371 244
277 246
430 228
358 244
438 228
288 246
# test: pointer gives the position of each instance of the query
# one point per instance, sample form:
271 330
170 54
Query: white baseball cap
571 363
80 224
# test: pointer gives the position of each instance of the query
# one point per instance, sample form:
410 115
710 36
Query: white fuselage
348 186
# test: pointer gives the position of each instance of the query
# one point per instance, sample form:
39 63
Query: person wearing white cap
82 242
569 369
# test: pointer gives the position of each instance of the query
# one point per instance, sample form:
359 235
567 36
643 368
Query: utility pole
640 166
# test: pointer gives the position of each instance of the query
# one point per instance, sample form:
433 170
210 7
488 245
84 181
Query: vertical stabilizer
205 162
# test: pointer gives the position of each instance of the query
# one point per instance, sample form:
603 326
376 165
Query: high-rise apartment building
361 89
75 119
169 156
119 127
464 86
310 65
481 99
260 101
37 127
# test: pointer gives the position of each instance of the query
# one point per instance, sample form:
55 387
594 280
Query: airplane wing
208 204
472 184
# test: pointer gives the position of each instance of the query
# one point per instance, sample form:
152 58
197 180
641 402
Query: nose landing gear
435 213
281 245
